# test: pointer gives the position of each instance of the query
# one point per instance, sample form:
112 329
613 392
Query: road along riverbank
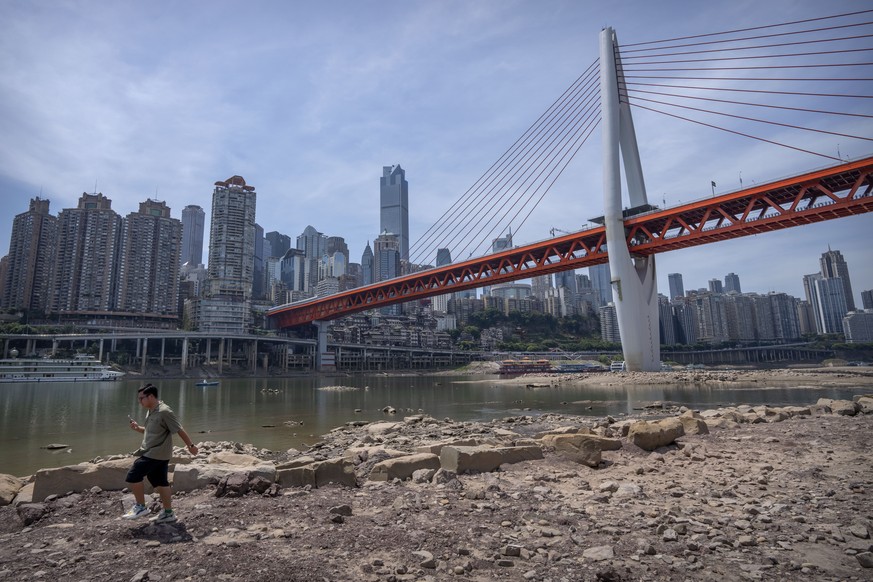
740 493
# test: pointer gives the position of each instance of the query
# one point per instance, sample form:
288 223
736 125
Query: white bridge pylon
634 285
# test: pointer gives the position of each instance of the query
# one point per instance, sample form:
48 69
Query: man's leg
166 494
138 490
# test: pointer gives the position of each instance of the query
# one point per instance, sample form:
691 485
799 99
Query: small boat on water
207 383
82 368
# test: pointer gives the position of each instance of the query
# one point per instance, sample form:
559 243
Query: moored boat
525 366
207 383
82 368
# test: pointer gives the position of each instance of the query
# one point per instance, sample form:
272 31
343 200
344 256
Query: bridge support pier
324 360
634 287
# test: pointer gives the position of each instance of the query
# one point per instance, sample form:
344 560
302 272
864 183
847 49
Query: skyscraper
502 243
386 254
279 243
834 265
193 222
443 257
258 281
677 289
31 257
394 206
314 245
368 273
232 240
812 298
715 286
84 274
151 243
732 283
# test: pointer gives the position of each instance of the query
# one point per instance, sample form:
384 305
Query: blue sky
307 101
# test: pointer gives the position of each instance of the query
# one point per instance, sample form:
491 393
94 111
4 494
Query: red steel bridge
842 190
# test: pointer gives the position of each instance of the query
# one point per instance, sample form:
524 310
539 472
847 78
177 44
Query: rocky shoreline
741 493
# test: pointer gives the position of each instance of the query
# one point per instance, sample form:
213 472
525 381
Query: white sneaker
136 511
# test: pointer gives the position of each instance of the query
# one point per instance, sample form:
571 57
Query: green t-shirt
157 440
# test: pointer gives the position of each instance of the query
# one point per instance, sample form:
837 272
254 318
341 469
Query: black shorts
155 470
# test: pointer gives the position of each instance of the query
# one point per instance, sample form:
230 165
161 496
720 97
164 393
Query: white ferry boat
82 368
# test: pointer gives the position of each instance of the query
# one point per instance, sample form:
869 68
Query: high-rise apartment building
31 258
831 293
811 292
715 286
86 262
540 286
609 331
394 206
833 265
601 281
677 289
193 223
148 277
232 240
666 321
732 283
867 299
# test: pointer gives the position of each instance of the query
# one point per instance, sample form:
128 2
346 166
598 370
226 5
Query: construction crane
554 230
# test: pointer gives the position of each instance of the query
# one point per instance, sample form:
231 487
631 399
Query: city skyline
173 116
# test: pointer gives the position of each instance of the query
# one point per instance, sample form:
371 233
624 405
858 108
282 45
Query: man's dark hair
149 390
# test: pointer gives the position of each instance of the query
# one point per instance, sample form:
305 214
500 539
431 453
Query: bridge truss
838 191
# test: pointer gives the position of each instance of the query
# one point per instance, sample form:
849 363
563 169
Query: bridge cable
733 102
522 150
526 148
770 92
746 48
500 161
745 57
763 27
543 166
557 138
752 119
534 128
637 105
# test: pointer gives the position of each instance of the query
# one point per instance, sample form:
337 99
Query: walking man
154 455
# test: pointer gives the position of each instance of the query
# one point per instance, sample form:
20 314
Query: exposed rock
652 435
9 488
484 458
403 467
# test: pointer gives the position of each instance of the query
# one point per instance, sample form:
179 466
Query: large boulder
485 458
652 435
197 475
403 467
693 423
340 471
108 475
238 459
580 448
865 403
9 488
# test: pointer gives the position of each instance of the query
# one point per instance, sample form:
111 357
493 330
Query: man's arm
189 444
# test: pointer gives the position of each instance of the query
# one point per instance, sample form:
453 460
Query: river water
91 418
